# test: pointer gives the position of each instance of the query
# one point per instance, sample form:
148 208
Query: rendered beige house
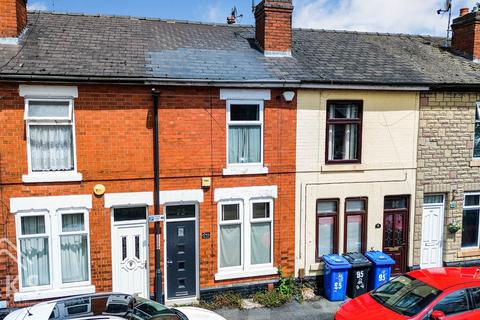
391 122
356 160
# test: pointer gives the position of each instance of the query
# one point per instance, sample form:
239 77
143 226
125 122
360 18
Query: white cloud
37 6
398 16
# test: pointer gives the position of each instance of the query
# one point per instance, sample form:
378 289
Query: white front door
130 261
432 231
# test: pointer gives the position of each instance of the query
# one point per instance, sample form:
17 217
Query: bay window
245 237
327 226
344 131
470 225
355 225
245 132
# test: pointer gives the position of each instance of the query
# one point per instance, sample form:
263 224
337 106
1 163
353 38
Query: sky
396 16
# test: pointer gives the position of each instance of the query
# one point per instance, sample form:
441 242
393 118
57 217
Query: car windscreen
405 295
145 309
111 305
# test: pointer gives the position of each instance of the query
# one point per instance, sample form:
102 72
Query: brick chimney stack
466 34
13 18
273 27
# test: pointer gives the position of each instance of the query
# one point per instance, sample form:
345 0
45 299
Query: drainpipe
156 196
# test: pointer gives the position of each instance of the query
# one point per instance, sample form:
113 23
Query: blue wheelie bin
335 277
382 268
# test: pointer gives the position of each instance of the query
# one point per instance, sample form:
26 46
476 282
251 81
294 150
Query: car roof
444 278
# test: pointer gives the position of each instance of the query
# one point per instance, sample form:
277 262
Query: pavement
318 310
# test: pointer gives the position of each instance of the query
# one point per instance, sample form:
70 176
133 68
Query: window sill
465 253
52 177
244 170
339 167
475 163
52 293
246 274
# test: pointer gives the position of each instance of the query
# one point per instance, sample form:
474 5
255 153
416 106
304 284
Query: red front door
395 232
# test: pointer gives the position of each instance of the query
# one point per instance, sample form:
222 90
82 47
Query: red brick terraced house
116 129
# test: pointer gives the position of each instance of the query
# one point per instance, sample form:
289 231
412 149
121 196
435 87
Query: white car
109 306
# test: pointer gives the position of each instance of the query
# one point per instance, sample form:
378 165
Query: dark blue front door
181 262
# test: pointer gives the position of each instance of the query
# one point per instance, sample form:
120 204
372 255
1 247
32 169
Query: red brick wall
114 148
273 27
13 17
466 35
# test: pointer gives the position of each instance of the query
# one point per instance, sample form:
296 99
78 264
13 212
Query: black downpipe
156 196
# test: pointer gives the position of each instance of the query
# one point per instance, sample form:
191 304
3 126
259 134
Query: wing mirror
438 315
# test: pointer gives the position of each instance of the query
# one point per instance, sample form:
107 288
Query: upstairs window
344 131
245 132
476 146
50 134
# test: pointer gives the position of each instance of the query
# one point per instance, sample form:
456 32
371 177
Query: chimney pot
466 34
464 12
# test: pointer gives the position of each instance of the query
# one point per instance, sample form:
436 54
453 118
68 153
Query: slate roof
92 46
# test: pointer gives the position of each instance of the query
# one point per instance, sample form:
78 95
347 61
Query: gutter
159 297
258 83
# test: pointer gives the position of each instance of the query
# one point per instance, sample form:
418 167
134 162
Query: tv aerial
232 19
447 8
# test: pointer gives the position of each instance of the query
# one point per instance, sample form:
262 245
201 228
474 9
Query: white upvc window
245 132
476 139
50 133
471 221
53 250
245 240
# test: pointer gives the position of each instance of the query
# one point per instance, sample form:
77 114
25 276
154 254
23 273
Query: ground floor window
355 224
53 249
245 234
470 229
327 226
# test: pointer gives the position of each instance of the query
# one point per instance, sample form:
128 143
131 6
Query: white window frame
86 231
247 269
477 121
50 176
47 234
53 225
474 208
245 168
240 222
254 221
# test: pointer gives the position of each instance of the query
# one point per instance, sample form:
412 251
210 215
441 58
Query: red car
430 294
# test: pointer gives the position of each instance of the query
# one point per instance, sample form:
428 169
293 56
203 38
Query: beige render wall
390 127
445 164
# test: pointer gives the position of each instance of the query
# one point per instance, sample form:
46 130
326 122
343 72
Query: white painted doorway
130 251
432 231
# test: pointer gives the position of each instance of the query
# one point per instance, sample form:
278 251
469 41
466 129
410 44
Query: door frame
406 223
442 231
113 224
197 251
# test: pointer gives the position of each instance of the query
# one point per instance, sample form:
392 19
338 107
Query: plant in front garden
286 291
